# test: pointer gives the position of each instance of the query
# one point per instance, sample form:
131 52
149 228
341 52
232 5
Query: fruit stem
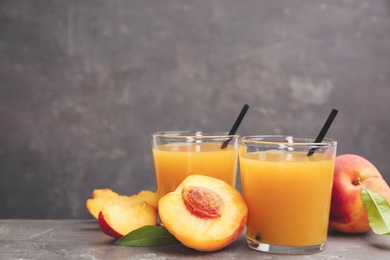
357 182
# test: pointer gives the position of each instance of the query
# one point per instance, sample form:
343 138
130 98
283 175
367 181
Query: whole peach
347 213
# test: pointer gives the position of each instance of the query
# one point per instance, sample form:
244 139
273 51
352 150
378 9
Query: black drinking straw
236 125
324 129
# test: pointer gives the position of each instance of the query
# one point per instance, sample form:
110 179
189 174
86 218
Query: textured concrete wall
84 83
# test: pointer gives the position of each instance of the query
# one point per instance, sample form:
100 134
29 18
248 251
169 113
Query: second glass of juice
178 154
287 183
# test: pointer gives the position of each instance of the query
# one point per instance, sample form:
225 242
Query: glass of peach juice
287 184
178 154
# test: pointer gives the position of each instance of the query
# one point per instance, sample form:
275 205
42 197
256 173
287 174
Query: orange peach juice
288 196
174 162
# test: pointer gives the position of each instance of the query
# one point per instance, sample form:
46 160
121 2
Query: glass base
291 250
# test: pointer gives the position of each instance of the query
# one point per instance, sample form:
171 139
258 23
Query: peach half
204 213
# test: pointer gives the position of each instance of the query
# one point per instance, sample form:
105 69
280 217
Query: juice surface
288 196
174 162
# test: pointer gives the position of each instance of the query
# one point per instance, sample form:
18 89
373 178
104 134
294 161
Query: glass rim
278 139
193 134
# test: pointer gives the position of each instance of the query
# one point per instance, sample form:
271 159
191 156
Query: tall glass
178 154
287 183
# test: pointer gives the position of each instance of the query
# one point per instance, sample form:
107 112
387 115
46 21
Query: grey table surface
82 239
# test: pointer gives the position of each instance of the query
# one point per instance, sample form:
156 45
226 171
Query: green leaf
148 236
378 211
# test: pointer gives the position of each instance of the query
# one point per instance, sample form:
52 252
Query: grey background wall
83 84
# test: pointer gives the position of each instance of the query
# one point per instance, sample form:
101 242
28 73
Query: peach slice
204 213
104 192
150 197
95 205
101 199
118 220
